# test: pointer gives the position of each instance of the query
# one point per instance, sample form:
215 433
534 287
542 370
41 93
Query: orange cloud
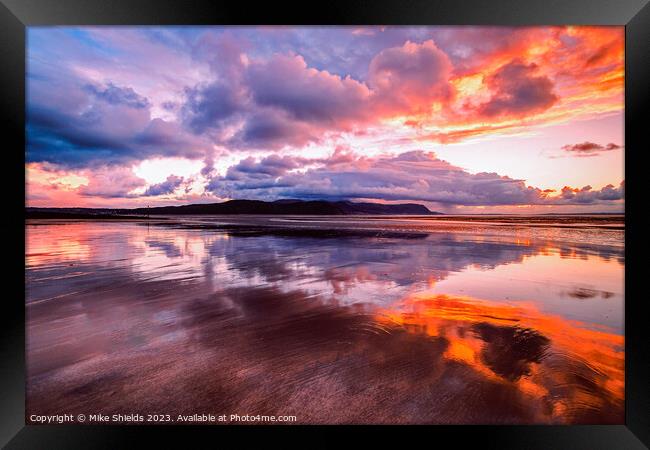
548 76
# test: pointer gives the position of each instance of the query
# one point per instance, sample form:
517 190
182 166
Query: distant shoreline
279 207
41 214
53 215
46 215
287 207
333 225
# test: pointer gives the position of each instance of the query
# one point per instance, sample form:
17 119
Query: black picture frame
16 15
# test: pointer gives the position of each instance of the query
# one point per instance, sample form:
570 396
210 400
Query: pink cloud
411 77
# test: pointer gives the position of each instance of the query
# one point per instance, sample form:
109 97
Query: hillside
280 207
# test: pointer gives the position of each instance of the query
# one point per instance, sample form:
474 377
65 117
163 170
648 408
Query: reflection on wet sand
332 328
575 373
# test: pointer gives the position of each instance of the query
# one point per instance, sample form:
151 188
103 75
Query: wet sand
390 321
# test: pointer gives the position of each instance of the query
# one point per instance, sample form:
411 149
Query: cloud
281 101
103 97
307 94
471 48
589 148
602 53
412 76
587 195
274 129
410 176
271 166
116 95
93 125
517 90
273 103
209 105
273 88
106 182
166 187
82 122
111 182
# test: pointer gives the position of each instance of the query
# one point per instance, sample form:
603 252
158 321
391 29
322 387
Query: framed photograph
246 220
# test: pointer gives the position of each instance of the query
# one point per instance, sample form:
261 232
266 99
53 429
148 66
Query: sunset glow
460 119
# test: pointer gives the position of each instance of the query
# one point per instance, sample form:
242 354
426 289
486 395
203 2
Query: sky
462 119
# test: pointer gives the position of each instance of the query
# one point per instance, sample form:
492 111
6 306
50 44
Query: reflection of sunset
335 319
540 354
65 248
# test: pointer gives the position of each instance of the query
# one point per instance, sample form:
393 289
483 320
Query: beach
331 319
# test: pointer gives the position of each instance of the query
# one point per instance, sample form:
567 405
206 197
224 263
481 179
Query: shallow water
330 319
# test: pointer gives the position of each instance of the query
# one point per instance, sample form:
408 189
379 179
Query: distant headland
279 207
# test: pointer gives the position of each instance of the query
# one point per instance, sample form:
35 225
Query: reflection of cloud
343 278
541 355
510 350
284 324
448 360
584 293
348 261
42 251
170 249
346 258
